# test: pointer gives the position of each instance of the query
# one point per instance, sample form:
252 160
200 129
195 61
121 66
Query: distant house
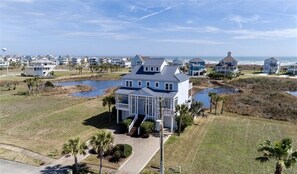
63 60
75 61
138 60
93 61
140 91
40 68
3 63
197 67
227 65
271 66
178 62
292 69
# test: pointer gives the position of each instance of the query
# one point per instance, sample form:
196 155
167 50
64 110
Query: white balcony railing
122 106
133 122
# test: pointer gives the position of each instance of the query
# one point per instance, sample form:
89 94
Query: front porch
132 105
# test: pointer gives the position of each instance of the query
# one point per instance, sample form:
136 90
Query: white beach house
140 91
292 69
271 66
40 68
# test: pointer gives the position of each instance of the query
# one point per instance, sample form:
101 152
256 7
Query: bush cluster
124 125
121 151
146 128
187 120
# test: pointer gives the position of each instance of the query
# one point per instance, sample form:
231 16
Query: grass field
224 144
44 123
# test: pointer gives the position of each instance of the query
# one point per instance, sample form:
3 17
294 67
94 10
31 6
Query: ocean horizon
242 60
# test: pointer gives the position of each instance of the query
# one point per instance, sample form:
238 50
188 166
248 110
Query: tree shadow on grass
102 121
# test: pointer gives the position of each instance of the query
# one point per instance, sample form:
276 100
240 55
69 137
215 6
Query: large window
139 83
152 68
157 84
146 68
147 84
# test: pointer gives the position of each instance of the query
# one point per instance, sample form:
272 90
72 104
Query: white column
171 128
118 119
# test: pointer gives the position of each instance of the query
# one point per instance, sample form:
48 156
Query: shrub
147 127
49 84
187 120
124 125
124 149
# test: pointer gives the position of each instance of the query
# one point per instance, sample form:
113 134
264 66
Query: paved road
10 167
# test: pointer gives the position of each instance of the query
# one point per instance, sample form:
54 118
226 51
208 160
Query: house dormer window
139 83
128 83
157 68
157 84
147 84
168 86
146 68
152 68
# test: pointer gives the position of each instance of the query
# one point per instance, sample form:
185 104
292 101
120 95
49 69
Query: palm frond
262 159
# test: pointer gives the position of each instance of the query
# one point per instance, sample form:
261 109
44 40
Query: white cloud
34 13
190 41
240 20
109 35
269 34
178 28
189 21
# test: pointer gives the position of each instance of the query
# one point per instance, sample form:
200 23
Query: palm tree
216 99
74 147
211 94
30 84
279 150
223 98
100 142
196 108
183 110
109 100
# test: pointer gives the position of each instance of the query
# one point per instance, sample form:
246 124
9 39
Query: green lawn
224 144
44 123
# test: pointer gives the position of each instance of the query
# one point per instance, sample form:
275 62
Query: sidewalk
143 151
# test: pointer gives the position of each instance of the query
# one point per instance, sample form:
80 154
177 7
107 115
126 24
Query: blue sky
149 27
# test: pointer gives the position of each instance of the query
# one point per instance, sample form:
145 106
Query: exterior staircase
133 132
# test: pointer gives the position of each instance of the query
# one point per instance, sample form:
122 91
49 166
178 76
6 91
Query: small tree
281 151
196 108
183 110
109 101
74 147
223 98
211 95
100 142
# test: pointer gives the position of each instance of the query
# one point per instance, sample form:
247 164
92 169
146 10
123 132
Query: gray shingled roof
154 62
167 74
272 58
196 60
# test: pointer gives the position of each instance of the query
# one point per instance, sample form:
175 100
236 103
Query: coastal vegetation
264 97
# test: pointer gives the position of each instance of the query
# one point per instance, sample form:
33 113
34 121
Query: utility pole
161 139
